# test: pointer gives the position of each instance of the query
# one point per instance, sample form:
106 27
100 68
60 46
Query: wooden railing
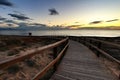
96 45
103 42
28 54
99 52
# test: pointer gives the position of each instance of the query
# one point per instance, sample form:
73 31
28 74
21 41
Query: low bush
13 52
13 69
30 63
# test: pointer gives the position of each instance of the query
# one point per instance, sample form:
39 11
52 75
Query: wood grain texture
80 63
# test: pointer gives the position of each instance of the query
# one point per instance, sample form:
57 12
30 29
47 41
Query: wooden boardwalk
80 63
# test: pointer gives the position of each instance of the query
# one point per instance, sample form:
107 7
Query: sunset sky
70 13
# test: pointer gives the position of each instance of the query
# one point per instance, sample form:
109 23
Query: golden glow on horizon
84 21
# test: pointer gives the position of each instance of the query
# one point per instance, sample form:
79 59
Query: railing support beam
55 53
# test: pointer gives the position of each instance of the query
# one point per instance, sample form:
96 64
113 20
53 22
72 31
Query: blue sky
70 11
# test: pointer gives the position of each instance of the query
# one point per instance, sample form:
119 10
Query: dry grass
26 69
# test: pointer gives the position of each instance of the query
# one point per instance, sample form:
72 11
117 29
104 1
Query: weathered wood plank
80 63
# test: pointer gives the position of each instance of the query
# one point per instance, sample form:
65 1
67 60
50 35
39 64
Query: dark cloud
37 24
10 21
112 20
95 22
6 3
2 19
10 25
33 25
5 20
19 16
22 24
28 24
75 25
53 11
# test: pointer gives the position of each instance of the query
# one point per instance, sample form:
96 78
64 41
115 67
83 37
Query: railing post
98 54
90 41
119 76
84 40
77 39
55 52
99 45
66 42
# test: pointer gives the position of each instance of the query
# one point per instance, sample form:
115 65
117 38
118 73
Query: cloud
112 20
95 22
12 25
19 16
2 19
25 24
6 3
36 24
10 21
4 24
75 26
53 11
7 23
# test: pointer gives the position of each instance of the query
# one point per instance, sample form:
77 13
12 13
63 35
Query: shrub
30 63
3 48
12 41
13 52
13 69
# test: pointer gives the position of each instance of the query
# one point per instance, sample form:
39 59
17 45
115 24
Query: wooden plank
80 63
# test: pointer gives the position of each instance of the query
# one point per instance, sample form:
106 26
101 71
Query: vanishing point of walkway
80 63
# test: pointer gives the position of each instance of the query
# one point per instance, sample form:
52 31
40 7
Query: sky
67 13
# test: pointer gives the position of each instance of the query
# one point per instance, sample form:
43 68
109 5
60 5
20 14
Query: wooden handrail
98 49
105 42
103 52
40 74
89 42
12 60
108 56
